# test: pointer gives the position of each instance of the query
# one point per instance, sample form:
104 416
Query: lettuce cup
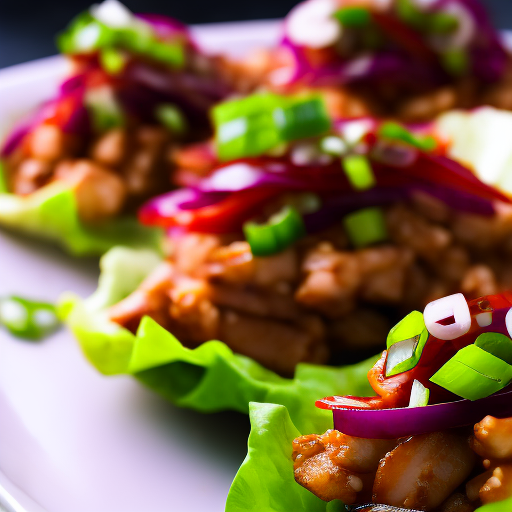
405 58
436 437
139 87
297 240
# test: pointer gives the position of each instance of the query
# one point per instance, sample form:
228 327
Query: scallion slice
395 131
359 172
366 227
473 373
456 61
353 16
419 395
4 188
171 117
112 60
259 123
28 319
281 231
496 344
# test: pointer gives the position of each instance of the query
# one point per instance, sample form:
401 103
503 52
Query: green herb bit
496 344
410 14
395 131
409 327
473 373
419 395
4 187
353 16
456 61
112 60
171 117
359 172
28 319
281 231
442 23
366 227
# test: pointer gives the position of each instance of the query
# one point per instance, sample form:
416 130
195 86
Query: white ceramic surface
72 440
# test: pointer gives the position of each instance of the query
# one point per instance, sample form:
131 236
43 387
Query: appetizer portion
406 58
298 239
139 87
445 373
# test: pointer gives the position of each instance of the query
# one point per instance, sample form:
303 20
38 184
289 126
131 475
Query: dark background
27 28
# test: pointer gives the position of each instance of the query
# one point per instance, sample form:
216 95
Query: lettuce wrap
209 378
265 481
51 213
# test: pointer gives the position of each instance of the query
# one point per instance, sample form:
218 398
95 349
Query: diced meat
110 149
277 345
499 486
423 471
99 193
318 465
493 438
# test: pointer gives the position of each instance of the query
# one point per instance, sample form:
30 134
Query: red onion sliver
395 423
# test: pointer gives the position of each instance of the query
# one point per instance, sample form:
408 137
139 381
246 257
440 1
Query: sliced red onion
168 205
404 422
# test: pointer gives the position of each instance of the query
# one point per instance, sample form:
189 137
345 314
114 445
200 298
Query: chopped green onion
496 344
28 319
353 16
395 131
168 53
359 172
419 395
4 188
404 355
442 23
410 14
333 145
88 34
112 60
171 117
409 327
473 373
455 61
259 123
281 231
104 109
365 227
301 118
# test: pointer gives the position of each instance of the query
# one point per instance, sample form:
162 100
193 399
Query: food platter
72 440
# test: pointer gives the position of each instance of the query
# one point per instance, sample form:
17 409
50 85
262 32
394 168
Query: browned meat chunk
336 466
493 438
423 471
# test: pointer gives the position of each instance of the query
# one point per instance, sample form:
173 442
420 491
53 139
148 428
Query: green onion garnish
366 227
359 172
105 112
410 14
473 373
171 117
259 123
395 131
28 319
281 231
353 16
442 22
419 395
496 344
409 327
455 61
4 188
112 60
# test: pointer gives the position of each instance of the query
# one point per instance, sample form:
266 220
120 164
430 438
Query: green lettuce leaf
51 213
265 482
208 378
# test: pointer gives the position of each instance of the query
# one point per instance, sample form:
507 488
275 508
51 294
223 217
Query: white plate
72 440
